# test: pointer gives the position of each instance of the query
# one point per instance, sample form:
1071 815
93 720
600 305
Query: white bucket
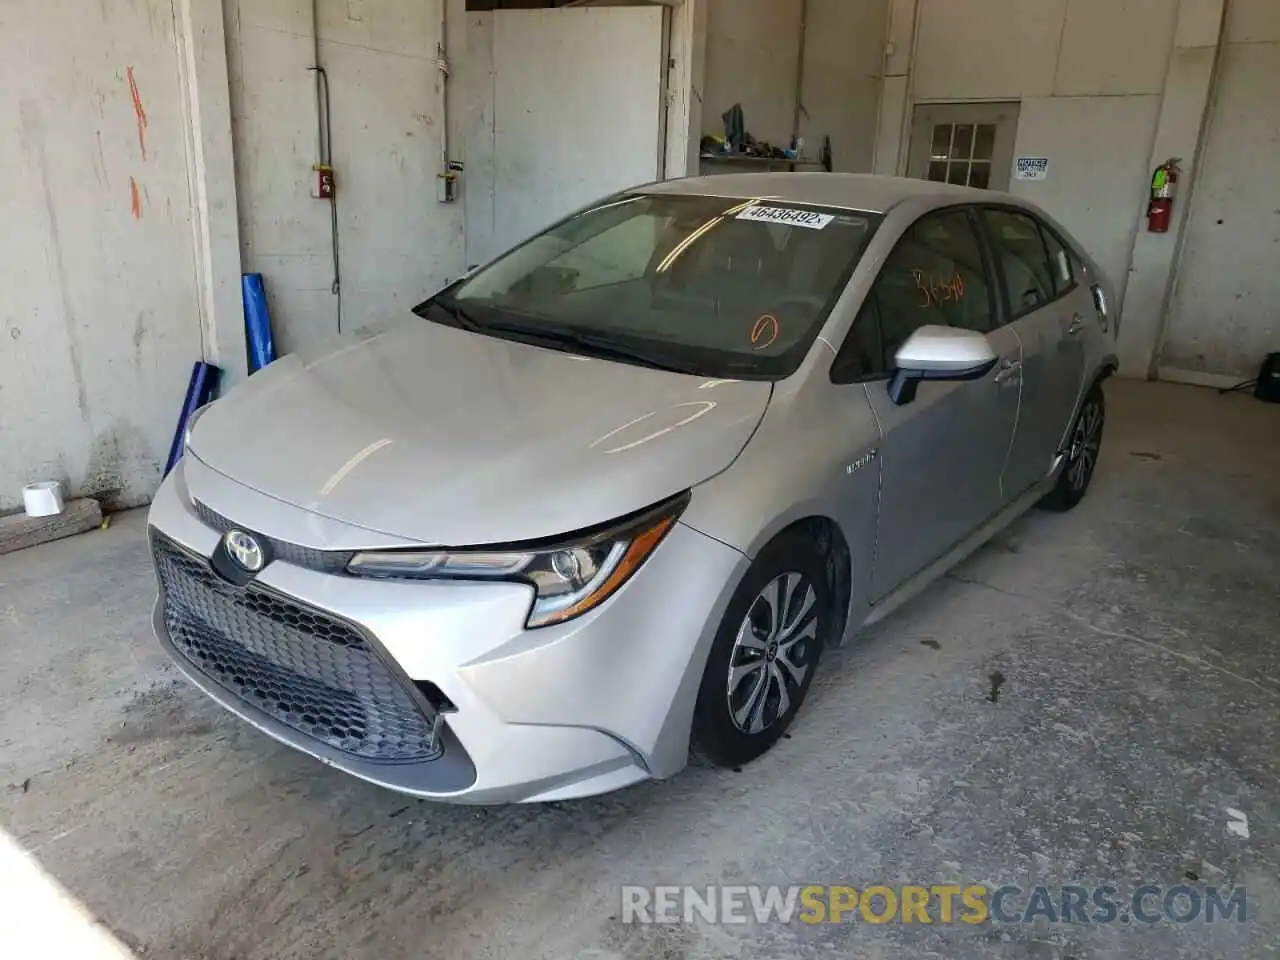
42 499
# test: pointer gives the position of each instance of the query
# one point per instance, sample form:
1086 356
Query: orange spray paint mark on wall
135 199
138 112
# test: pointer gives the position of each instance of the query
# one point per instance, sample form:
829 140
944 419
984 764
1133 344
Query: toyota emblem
245 550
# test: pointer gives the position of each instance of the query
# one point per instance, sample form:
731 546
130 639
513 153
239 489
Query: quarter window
935 275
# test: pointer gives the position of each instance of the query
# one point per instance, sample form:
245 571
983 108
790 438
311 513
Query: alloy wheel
772 653
1085 444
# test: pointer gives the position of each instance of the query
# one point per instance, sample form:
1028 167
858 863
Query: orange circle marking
765 332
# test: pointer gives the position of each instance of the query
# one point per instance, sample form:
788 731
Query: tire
1082 455
737 718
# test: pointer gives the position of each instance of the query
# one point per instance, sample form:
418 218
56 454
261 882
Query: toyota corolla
611 495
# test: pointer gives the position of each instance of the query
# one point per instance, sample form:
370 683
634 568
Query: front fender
815 454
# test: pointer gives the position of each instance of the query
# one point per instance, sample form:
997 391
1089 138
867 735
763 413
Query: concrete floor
1137 636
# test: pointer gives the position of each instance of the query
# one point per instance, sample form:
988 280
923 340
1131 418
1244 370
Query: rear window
735 286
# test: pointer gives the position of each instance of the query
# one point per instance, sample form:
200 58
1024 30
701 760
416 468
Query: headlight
569 578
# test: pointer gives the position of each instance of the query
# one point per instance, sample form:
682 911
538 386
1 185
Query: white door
970 144
577 110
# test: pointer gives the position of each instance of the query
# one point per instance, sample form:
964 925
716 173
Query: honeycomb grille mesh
324 561
309 671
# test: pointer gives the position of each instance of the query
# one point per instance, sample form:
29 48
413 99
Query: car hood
448 437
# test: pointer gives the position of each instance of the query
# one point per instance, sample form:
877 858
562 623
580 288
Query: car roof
853 191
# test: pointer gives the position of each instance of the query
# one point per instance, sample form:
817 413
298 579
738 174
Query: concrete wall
562 107
1108 91
753 50
1224 314
843 58
1179 133
1088 74
397 242
100 319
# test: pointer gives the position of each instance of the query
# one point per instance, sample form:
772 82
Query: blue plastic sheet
200 390
257 322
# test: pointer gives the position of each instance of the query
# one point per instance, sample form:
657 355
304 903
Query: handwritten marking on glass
765 332
936 289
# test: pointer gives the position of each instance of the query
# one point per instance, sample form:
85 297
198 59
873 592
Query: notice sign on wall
1031 168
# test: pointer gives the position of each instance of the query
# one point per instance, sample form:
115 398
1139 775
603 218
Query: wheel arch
832 544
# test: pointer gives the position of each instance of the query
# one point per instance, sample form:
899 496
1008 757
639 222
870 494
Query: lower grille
306 669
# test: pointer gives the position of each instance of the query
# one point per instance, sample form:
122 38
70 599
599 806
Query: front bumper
571 710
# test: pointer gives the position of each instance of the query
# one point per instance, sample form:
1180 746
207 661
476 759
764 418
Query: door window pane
938 171
984 142
958 173
941 146
980 175
1023 259
962 144
934 275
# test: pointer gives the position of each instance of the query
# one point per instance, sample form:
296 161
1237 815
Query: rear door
1038 282
941 455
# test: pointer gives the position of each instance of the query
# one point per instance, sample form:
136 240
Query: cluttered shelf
764 163
737 147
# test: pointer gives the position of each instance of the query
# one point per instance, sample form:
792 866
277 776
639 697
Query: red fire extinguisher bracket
1164 183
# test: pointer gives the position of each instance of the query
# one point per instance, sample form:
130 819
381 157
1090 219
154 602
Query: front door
968 144
1038 274
941 455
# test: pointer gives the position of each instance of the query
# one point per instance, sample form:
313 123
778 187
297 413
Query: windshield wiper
557 337
450 308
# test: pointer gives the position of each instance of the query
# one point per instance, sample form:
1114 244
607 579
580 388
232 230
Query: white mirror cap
943 349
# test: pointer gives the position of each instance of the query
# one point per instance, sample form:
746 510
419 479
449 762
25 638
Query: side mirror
939 353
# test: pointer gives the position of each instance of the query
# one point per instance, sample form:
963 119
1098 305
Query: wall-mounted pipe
324 152
800 55
447 178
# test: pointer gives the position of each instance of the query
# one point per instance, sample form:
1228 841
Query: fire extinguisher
1163 184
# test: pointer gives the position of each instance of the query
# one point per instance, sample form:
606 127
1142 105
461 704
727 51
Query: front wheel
765 653
1082 454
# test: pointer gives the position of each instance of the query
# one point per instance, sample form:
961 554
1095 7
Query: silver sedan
612 494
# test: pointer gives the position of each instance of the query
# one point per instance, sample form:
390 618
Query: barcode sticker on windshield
787 217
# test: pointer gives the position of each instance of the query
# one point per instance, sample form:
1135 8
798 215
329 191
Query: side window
1024 261
935 275
1061 263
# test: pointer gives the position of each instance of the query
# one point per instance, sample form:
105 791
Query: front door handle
1077 324
1007 371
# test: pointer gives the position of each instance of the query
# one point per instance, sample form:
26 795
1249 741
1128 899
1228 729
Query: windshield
713 286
